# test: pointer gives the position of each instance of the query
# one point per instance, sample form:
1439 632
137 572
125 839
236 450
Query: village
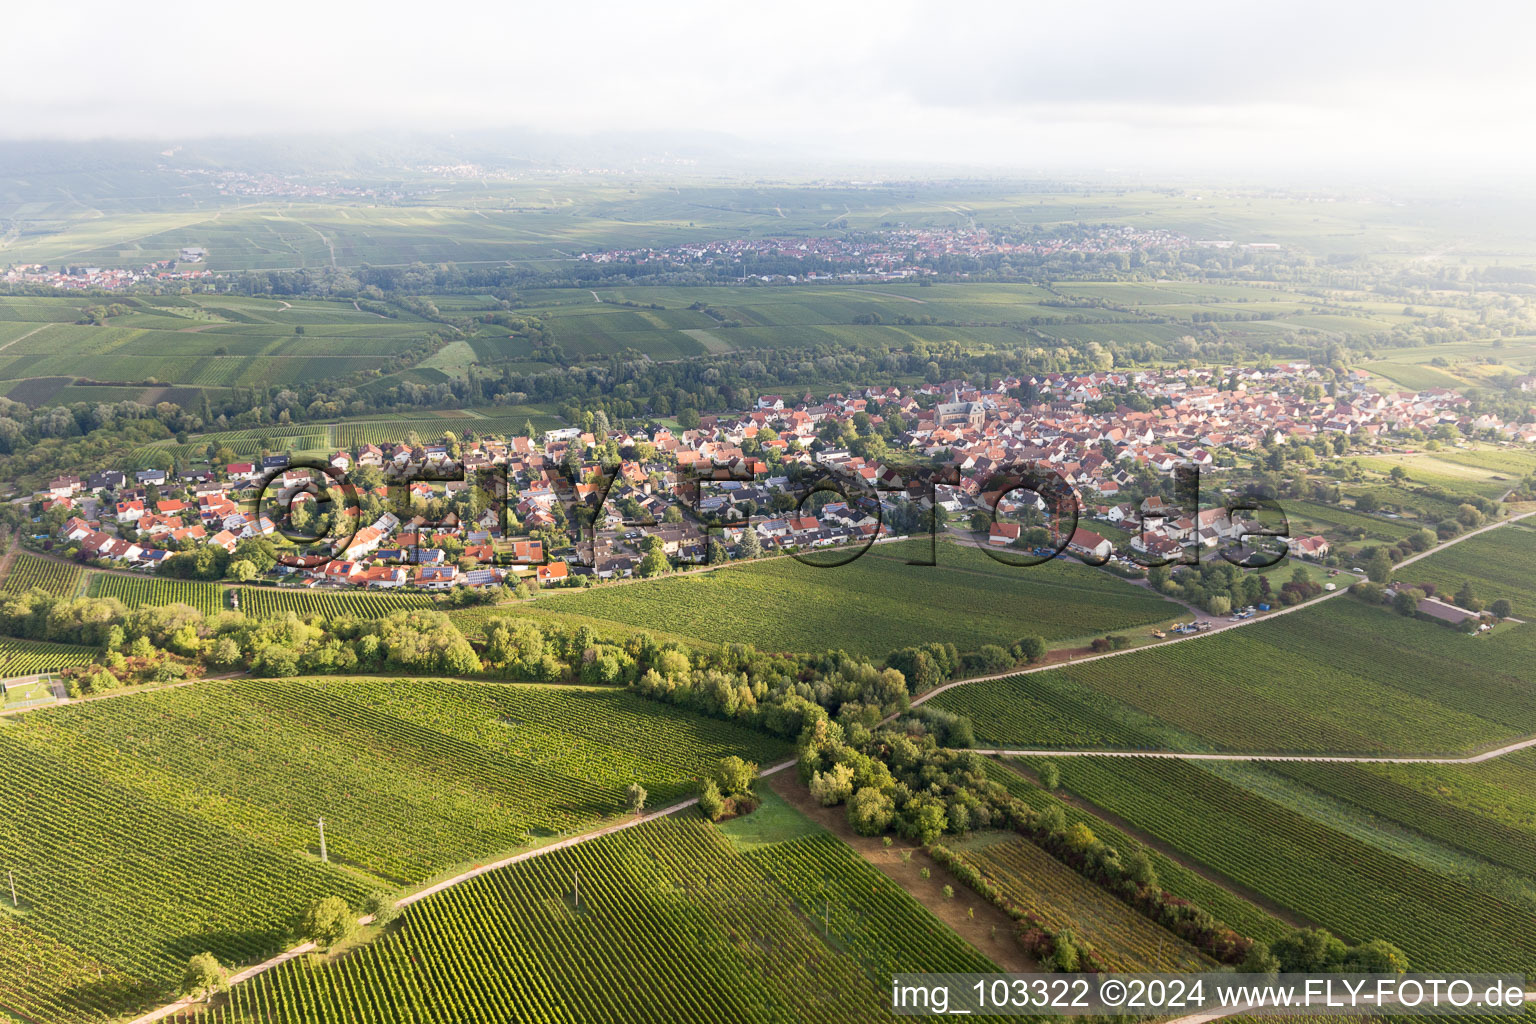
889 254
574 507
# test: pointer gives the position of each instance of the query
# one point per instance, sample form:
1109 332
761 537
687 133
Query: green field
674 923
29 571
877 603
1356 890
1341 677
148 828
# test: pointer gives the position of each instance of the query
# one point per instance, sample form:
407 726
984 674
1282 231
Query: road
255 970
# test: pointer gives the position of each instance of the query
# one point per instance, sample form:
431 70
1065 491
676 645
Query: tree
326 922
1140 869
1219 605
1050 775
380 906
1375 957
1467 598
710 800
1379 568
832 786
203 977
735 776
1407 601
751 547
242 571
870 811
654 562
1502 608
634 797
1031 649
1259 960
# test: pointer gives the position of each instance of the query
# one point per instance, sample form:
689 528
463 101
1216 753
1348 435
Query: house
147 477
436 577
363 542
106 480
130 511
75 528
241 471
553 571
1314 547
1088 544
223 539
1003 533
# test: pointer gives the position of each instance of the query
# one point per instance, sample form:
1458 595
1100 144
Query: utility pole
324 857
12 879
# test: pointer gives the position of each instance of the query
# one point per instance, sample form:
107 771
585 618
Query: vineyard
1500 563
135 591
1354 889
187 817
1342 677
671 925
1044 709
45 574
1500 792
877 603
1226 906
505 422
266 602
1061 898
1495 842
26 657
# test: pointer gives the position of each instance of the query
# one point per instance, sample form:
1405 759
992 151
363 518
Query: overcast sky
1150 85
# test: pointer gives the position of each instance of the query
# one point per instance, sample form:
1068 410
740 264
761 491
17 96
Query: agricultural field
1341 677
1489 473
1499 563
1340 882
136 591
269 602
29 571
671 907
26 657
147 829
881 603
1061 898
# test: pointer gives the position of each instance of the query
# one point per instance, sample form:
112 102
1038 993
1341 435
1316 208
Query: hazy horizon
1185 88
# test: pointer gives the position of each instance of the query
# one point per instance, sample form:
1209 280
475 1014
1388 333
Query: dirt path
990 931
